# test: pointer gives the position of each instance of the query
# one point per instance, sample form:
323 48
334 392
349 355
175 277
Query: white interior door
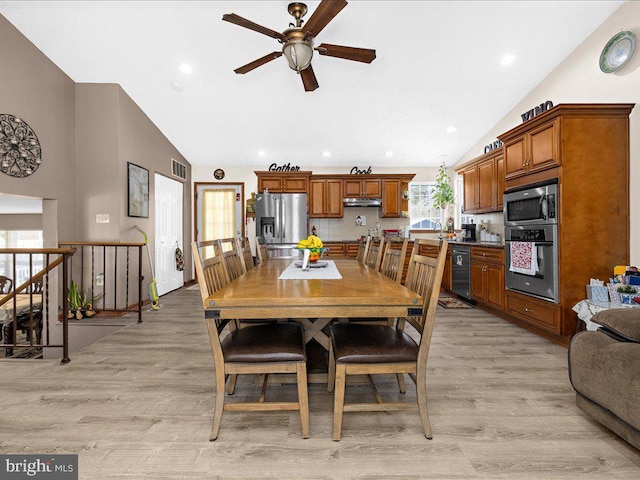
168 198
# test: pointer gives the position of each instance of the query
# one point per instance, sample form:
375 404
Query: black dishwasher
461 270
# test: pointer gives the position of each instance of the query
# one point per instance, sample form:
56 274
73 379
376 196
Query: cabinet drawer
429 250
531 310
335 250
352 250
489 255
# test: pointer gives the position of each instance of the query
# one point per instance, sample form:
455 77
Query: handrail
107 260
33 328
38 275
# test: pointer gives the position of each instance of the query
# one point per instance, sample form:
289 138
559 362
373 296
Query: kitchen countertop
455 242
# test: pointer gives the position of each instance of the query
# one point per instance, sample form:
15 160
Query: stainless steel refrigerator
281 221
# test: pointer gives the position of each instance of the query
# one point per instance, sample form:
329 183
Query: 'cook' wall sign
356 171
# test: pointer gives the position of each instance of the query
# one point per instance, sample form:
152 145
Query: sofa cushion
605 371
624 322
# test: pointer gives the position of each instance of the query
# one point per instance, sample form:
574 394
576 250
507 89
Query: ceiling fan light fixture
298 49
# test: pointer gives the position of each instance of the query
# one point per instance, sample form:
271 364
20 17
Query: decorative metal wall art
20 153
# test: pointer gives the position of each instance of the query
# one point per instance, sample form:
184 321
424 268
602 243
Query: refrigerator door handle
283 218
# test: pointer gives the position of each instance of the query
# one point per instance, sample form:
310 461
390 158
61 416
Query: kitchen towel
294 272
524 258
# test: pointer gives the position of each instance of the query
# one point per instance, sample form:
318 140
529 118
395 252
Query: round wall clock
218 174
20 153
617 52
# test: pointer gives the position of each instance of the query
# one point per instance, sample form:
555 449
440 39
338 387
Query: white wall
579 80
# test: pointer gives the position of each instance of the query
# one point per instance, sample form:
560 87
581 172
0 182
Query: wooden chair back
262 253
363 248
374 253
227 248
392 264
5 284
424 277
212 275
246 255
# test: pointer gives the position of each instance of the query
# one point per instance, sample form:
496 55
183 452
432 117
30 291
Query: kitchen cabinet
585 147
283 182
535 150
325 198
483 180
336 249
362 188
391 198
487 276
352 250
533 311
447 281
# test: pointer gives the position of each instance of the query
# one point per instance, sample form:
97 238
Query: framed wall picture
138 191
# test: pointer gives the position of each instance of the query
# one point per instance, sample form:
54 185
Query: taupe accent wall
88 133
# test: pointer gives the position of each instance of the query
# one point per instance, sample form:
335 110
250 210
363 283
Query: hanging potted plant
80 305
442 193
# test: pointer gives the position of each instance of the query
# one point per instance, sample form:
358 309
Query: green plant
442 193
79 300
627 289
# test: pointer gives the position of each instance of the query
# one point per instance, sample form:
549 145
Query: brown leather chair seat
355 343
274 342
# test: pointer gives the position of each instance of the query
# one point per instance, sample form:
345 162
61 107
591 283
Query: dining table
281 289
18 308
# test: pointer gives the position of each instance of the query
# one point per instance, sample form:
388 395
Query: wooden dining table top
362 292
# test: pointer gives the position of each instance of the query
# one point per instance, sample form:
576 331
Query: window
423 215
20 239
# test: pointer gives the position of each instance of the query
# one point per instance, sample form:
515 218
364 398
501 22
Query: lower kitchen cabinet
336 250
487 276
446 276
534 311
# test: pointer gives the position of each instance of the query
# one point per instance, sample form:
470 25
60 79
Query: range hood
362 202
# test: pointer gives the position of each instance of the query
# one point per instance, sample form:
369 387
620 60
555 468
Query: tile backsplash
345 228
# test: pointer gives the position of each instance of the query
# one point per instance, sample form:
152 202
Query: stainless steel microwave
534 204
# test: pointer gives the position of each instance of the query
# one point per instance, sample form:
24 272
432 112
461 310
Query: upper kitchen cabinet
325 197
395 196
362 188
533 151
283 182
483 180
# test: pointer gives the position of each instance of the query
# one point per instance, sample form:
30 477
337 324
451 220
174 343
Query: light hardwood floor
138 404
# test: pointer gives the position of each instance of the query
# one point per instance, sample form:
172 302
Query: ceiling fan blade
309 79
257 63
323 15
365 55
243 22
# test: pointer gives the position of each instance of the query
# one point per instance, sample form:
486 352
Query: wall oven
534 204
542 280
531 240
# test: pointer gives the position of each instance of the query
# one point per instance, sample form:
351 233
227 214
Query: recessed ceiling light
261 153
186 69
389 153
177 86
451 129
507 59
326 153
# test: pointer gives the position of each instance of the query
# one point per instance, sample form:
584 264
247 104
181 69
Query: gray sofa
604 369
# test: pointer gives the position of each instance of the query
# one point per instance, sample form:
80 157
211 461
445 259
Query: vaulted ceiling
438 65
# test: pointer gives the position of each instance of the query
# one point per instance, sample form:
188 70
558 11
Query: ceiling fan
297 40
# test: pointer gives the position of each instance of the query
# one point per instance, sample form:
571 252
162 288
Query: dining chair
261 252
363 248
246 256
374 253
227 248
384 349
5 284
392 265
258 349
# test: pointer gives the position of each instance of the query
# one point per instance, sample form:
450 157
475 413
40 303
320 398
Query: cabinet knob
528 310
